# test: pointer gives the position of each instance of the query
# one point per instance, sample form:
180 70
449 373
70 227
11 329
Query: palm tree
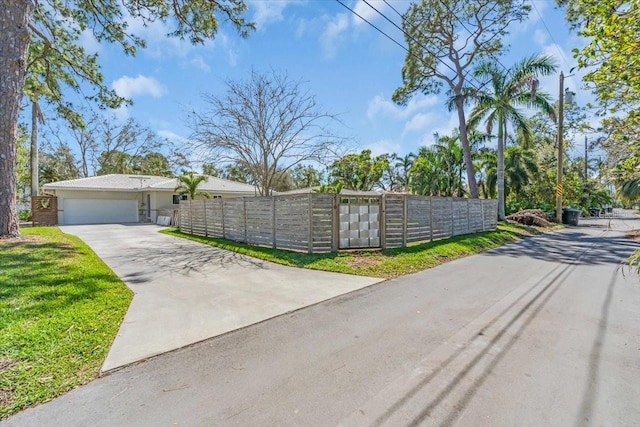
510 89
486 165
188 185
520 165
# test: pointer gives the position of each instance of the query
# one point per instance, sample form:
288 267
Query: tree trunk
15 16
466 149
500 178
35 187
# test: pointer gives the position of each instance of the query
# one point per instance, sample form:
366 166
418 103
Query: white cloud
128 87
379 106
332 33
367 12
121 113
172 136
384 147
420 122
199 62
89 42
268 12
540 37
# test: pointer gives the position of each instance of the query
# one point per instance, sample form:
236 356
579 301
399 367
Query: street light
564 96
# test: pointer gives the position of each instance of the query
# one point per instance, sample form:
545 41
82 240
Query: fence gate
359 222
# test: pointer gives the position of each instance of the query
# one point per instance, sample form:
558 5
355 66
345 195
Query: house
121 198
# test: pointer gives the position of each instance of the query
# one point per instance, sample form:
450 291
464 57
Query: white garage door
98 211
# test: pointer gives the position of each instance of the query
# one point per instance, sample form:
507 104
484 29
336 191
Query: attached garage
120 198
96 211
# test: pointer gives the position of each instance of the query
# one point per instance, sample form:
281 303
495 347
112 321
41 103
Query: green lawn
60 309
386 264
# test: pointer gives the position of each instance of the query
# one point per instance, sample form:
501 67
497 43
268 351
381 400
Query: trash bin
570 216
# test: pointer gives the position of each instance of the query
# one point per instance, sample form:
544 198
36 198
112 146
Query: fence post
206 226
484 227
273 221
244 208
431 218
382 219
310 211
453 220
335 223
224 235
404 220
468 216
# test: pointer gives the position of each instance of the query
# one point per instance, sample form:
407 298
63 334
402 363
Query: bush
24 215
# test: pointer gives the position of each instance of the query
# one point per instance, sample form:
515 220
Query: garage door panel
99 211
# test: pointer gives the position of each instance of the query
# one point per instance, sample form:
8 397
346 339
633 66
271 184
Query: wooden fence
311 222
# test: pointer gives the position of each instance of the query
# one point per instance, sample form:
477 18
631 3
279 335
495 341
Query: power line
422 46
378 29
564 59
406 34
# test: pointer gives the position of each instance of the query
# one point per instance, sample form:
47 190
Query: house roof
344 192
135 183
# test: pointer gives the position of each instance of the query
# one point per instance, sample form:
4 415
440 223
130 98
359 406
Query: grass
60 309
388 263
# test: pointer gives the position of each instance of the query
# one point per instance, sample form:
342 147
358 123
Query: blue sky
350 67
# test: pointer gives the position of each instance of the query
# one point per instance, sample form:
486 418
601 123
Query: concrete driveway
186 292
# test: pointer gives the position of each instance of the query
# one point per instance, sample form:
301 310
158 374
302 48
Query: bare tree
268 123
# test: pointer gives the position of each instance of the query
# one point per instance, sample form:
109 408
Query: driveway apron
185 292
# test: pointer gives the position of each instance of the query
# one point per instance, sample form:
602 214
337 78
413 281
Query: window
178 197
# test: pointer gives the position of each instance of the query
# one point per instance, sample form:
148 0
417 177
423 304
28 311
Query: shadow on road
567 246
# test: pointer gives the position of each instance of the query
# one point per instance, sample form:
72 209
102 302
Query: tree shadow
40 278
564 247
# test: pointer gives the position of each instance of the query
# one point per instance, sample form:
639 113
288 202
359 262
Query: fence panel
441 217
322 210
259 214
292 222
460 216
234 219
476 220
490 213
213 210
394 220
310 222
185 216
418 219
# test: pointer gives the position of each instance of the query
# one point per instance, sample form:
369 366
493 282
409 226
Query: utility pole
560 149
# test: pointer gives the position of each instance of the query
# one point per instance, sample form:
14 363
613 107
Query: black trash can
570 216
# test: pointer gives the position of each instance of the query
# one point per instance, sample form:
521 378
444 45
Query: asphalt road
545 332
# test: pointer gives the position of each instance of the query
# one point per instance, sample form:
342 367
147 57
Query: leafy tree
425 175
58 165
268 123
520 167
358 171
510 89
446 39
51 28
212 170
487 165
188 184
330 188
305 176
611 28
438 170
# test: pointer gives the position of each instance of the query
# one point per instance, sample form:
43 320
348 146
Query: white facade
96 201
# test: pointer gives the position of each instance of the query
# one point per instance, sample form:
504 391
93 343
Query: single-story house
121 198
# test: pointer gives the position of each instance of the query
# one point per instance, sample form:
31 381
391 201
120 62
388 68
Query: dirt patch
362 262
14 241
634 235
